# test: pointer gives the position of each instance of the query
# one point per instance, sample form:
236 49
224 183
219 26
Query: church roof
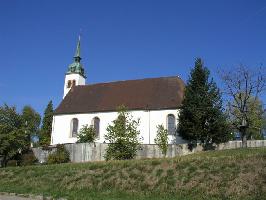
143 94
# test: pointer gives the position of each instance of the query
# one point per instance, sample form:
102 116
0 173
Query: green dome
76 68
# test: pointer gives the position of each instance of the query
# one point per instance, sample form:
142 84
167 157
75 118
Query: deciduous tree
162 139
30 121
243 87
13 138
86 134
254 116
122 136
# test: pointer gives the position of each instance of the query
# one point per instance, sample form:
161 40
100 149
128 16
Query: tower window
73 83
69 84
171 126
74 127
96 125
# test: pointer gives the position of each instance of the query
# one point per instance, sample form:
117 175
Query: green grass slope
228 174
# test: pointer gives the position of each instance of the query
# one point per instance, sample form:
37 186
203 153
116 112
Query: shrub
87 134
11 163
61 155
162 139
28 159
123 136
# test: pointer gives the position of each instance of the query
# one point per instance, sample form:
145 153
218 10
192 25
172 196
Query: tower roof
76 67
77 54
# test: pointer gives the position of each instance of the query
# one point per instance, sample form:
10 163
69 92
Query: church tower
75 74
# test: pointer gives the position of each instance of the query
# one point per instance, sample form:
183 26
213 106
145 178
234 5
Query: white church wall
158 117
148 122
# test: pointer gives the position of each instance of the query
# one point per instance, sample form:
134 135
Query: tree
243 88
13 138
30 121
47 122
87 134
201 117
264 125
256 118
254 115
162 139
123 137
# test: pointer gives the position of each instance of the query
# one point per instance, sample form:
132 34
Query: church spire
77 54
76 67
75 74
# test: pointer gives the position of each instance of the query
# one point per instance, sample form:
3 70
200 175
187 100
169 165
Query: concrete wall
84 152
148 125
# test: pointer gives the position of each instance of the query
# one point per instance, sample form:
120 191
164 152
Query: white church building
154 101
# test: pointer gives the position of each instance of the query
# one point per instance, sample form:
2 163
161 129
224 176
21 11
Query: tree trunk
3 162
244 139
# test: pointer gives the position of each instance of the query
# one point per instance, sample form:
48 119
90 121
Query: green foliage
61 155
201 117
28 158
13 137
254 116
243 88
12 163
46 129
86 134
123 137
30 121
264 121
162 139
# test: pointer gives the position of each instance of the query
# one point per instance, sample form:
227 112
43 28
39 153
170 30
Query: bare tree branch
243 87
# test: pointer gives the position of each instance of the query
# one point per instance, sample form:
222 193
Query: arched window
171 126
69 83
96 125
73 83
74 127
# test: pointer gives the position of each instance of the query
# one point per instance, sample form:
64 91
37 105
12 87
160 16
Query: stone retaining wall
84 152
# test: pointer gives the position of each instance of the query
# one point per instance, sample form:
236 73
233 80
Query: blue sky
121 39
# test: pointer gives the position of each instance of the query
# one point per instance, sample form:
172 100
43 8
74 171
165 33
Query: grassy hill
228 174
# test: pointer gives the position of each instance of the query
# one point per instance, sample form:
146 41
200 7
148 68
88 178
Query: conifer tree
201 118
46 129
